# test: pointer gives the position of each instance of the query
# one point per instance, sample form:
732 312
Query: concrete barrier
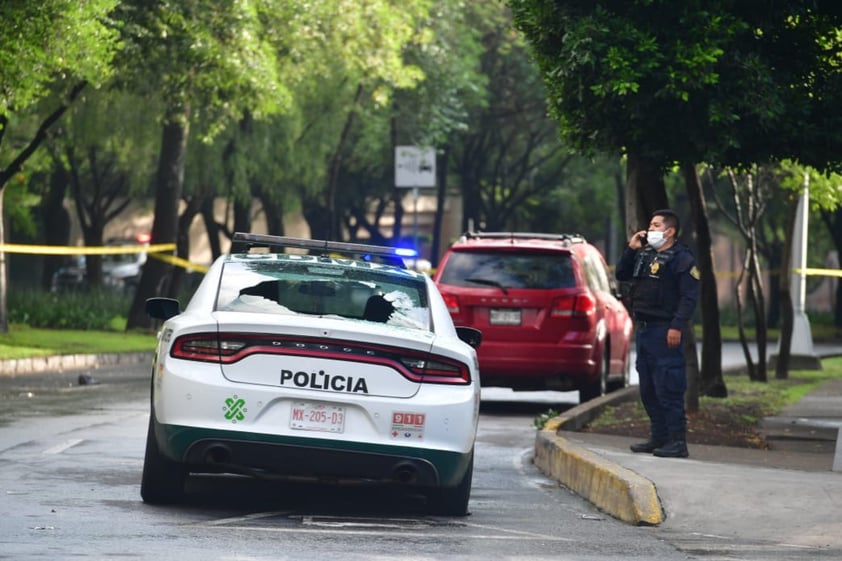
612 488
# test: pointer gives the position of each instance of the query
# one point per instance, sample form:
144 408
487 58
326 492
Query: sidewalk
789 494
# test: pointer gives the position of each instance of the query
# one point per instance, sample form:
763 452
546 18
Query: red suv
547 307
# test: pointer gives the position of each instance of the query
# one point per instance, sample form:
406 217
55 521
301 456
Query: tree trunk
773 305
833 222
212 227
441 198
335 165
169 187
787 309
711 382
274 218
646 192
182 246
739 298
317 217
242 215
56 222
4 311
759 304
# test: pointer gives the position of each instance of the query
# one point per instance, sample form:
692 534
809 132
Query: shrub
94 309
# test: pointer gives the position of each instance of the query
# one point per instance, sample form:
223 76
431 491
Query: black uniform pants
663 381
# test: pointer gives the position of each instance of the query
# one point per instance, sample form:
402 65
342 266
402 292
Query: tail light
228 348
574 305
452 303
436 370
208 347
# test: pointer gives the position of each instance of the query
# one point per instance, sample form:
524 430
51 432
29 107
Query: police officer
664 289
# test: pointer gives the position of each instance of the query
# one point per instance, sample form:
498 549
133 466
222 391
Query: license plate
321 417
505 316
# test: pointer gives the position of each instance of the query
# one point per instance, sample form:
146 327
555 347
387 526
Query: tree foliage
54 45
728 83
720 82
49 41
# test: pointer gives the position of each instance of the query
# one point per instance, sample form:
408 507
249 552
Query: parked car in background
120 271
337 365
548 309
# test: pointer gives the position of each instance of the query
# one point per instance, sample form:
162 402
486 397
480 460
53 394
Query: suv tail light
574 305
228 348
452 303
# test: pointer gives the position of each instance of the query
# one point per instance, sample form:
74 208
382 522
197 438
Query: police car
313 359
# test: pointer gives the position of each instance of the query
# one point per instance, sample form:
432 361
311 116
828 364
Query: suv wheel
625 380
597 388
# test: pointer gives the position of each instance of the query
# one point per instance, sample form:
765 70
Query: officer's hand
673 338
636 240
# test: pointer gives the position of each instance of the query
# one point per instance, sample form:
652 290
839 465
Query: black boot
647 447
675 448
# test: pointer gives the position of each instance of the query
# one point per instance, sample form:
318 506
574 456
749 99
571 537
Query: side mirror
470 335
162 308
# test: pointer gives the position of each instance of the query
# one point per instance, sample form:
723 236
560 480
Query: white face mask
655 238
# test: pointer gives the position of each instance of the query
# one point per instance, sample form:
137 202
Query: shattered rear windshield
291 284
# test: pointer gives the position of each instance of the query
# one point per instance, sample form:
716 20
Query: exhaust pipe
218 454
405 474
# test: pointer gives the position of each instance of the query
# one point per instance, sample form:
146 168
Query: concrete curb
61 363
612 488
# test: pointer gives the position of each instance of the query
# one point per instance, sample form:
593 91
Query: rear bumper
531 366
261 455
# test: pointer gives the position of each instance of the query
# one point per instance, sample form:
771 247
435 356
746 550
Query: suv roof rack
243 242
569 238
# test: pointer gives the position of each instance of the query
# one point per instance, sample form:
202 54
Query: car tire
452 501
597 388
625 380
163 480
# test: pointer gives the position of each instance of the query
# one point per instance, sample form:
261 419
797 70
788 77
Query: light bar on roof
265 240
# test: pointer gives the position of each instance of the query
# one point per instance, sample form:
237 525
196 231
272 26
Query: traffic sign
415 166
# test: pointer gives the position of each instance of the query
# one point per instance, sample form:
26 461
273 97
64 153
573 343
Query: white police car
332 363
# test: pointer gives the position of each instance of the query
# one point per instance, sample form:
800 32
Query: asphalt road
70 462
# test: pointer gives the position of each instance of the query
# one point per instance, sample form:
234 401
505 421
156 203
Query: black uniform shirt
665 285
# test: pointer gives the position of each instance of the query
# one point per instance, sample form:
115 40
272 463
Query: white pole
802 354
415 195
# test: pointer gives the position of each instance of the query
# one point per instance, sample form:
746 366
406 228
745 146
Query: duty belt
644 323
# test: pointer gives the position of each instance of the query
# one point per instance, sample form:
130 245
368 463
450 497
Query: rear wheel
597 388
163 480
453 501
625 380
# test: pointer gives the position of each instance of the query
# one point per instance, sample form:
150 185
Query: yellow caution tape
809 271
178 261
154 250
822 272
84 250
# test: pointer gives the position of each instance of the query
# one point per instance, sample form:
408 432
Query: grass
22 342
761 399
819 332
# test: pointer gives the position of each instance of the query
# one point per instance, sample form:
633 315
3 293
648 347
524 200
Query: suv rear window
509 270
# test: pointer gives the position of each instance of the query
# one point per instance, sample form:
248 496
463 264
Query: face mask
655 238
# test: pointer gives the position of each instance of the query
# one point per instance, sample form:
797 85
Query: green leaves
722 82
52 40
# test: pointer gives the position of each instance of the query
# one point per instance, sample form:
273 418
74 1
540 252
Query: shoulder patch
695 273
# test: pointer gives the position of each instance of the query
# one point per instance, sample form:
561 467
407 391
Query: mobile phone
643 240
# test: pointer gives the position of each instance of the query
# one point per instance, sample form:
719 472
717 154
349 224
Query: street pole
803 356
